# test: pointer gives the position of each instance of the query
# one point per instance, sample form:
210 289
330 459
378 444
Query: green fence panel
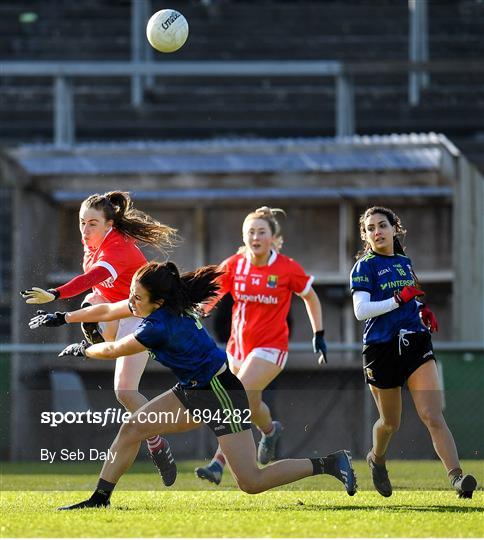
4 405
463 375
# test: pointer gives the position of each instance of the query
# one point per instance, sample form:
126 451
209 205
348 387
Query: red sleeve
82 283
299 281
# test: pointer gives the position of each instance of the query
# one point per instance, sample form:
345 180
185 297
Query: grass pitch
422 505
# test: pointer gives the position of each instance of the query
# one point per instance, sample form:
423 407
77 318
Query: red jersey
120 255
262 297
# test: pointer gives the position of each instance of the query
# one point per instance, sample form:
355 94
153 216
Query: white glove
36 295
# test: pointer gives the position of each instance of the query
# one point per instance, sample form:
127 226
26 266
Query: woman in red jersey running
261 282
110 229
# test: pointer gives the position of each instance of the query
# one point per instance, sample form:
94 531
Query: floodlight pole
63 112
345 106
138 11
418 48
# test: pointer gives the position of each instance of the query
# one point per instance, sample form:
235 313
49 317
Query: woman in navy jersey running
397 347
207 391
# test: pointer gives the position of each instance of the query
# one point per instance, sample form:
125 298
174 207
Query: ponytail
121 202
202 284
118 207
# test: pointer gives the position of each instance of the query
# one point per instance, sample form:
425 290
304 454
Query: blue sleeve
361 277
150 334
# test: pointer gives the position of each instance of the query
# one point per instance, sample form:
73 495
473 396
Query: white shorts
275 356
95 298
127 326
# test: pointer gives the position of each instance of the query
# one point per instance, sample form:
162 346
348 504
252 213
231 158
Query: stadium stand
262 106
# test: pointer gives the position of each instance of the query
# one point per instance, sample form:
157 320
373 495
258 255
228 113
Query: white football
167 30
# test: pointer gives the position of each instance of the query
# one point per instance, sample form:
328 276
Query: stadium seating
204 107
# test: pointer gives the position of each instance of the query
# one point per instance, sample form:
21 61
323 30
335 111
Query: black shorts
390 364
222 404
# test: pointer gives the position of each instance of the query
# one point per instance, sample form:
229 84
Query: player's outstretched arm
97 313
75 286
47 319
109 350
100 313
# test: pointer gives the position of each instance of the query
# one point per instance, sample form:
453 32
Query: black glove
47 319
319 346
75 349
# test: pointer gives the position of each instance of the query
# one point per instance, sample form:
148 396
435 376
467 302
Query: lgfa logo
272 281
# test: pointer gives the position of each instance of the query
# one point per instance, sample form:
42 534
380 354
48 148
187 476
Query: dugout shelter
205 189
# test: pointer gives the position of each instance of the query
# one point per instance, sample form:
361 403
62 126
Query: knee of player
391 425
126 398
131 431
251 487
432 419
250 483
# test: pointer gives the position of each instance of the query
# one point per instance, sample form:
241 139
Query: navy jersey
381 276
183 345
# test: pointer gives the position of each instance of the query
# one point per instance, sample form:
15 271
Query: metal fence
321 407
